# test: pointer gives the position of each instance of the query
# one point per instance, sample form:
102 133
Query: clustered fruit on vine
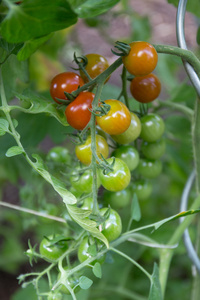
136 136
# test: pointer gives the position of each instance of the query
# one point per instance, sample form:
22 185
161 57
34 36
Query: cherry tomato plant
100 169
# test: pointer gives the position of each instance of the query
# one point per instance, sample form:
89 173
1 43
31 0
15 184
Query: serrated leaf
91 8
85 282
31 46
39 104
36 18
58 185
135 209
155 289
13 151
97 270
81 217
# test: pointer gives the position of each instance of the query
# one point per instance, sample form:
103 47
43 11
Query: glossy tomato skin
87 203
77 112
153 150
128 154
118 179
146 88
59 154
52 251
82 182
117 120
72 281
131 134
141 60
112 227
153 127
95 66
64 82
118 199
84 152
83 253
149 168
142 188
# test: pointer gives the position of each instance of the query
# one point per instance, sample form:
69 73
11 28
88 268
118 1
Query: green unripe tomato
153 150
149 168
51 250
118 179
87 203
112 227
142 188
72 281
83 182
59 154
83 253
129 155
153 127
118 199
131 134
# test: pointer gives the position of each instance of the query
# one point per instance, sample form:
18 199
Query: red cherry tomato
146 88
117 120
95 66
77 112
64 82
141 60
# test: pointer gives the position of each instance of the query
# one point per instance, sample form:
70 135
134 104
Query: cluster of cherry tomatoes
137 140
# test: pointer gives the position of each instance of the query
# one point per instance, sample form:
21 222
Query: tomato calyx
123 47
82 62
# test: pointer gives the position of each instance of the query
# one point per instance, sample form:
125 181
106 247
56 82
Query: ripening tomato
84 151
141 60
128 154
77 112
118 179
153 127
64 82
146 88
96 64
112 227
132 133
117 120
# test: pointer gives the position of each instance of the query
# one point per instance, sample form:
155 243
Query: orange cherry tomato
146 88
64 82
117 120
141 60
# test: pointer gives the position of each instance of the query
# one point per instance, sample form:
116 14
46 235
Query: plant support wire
180 19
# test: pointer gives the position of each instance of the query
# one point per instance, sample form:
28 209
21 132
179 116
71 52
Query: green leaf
141 28
91 8
15 150
183 93
155 289
36 18
97 270
4 126
193 6
135 209
31 46
58 185
39 104
80 216
92 250
85 283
